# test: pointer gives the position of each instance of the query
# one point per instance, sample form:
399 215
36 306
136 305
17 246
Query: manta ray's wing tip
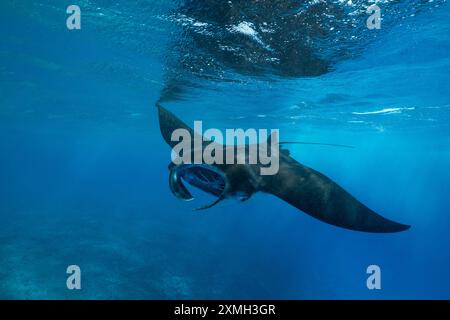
396 227
405 227
379 224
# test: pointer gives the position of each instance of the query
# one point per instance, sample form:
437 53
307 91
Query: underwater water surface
83 167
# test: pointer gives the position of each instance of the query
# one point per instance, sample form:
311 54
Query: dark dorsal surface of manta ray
304 188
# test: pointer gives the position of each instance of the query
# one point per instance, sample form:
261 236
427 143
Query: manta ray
302 187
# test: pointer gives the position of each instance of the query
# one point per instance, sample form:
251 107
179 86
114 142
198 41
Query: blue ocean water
83 167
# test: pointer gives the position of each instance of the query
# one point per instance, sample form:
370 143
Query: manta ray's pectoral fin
177 187
211 204
323 199
168 123
285 151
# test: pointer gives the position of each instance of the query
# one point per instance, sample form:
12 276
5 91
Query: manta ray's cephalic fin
181 192
211 204
177 187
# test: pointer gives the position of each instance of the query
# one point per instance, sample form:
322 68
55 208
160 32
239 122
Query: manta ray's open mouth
204 177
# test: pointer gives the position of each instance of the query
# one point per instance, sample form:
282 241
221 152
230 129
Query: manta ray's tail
318 144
